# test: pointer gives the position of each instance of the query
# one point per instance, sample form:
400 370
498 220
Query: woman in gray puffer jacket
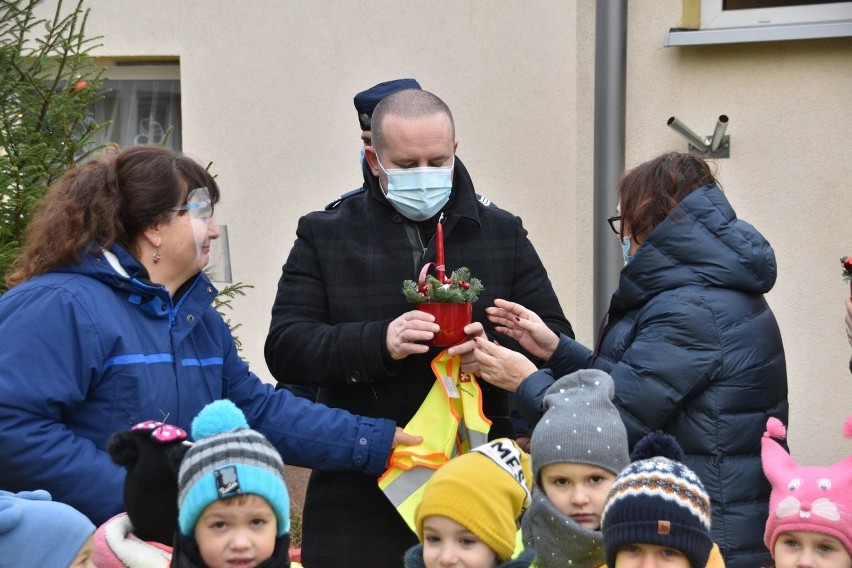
689 340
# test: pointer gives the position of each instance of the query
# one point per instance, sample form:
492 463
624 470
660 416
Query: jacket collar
119 269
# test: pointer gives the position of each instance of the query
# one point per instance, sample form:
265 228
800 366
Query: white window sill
679 37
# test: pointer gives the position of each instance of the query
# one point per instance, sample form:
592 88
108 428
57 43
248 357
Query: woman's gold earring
156 256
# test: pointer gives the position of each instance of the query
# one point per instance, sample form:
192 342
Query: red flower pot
451 317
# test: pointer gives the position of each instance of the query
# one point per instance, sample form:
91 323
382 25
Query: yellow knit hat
483 490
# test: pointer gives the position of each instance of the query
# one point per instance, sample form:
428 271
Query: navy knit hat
366 101
229 459
35 531
658 501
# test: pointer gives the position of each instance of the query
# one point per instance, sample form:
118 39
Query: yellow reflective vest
450 421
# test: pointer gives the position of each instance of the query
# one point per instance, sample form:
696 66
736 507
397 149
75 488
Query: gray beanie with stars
580 425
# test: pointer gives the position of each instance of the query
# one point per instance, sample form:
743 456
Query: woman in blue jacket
109 322
689 340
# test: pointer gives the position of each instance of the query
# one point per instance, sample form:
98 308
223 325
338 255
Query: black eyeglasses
615 224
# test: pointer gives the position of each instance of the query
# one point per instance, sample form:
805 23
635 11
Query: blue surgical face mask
419 193
625 249
362 158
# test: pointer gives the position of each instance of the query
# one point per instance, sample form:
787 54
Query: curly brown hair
648 192
110 199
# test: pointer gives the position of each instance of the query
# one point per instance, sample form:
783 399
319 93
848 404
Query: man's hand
466 349
407 330
524 326
500 366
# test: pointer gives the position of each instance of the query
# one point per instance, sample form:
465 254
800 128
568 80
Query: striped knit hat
658 501
229 459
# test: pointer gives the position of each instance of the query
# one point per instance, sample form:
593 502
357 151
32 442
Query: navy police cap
366 101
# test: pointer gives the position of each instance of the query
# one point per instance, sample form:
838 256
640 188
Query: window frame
714 16
140 69
704 22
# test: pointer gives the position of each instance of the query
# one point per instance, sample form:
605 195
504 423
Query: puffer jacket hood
727 253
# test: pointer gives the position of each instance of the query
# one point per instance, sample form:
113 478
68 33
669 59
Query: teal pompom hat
229 459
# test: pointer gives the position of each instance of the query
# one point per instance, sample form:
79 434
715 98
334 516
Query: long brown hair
111 199
648 192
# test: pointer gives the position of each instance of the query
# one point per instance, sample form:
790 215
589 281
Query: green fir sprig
458 288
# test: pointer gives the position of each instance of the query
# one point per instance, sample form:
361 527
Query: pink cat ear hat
814 499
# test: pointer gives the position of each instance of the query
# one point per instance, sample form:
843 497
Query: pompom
123 447
847 428
218 417
775 428
657 444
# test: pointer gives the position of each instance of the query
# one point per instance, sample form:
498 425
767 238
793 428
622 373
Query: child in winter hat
810 507
657 504
36 531
143 535
577 449
474 498
231 490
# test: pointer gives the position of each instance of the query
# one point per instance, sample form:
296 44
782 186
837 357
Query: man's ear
372 159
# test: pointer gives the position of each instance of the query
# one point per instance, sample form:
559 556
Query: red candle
439 244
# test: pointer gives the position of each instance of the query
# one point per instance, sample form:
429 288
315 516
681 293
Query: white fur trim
129 549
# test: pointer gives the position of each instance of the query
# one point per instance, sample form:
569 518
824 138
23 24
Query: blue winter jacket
695 351
89 350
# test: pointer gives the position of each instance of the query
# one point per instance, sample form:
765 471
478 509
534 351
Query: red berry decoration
79 85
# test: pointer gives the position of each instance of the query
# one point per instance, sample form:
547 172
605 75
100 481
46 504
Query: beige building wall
267 92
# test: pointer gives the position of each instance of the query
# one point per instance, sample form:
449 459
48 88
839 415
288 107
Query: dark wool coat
340 288
695 351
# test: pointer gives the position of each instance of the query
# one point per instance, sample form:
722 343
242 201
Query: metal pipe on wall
610 102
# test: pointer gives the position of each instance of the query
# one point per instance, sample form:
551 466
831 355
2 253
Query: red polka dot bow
163 433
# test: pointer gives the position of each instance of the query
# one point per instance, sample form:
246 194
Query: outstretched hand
406 331
501 366
524 326
465 349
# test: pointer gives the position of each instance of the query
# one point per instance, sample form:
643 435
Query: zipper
600 339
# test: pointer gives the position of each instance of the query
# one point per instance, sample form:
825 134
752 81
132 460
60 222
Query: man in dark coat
341 322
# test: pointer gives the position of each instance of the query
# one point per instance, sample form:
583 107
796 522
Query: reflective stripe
208 362
138 358
451 422
403 486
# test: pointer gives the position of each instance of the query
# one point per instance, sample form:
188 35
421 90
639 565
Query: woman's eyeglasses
615 224
198 205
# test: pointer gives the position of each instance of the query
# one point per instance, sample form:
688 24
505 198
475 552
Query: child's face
447 543
803 548
84 557
237 532
650 556
577 490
